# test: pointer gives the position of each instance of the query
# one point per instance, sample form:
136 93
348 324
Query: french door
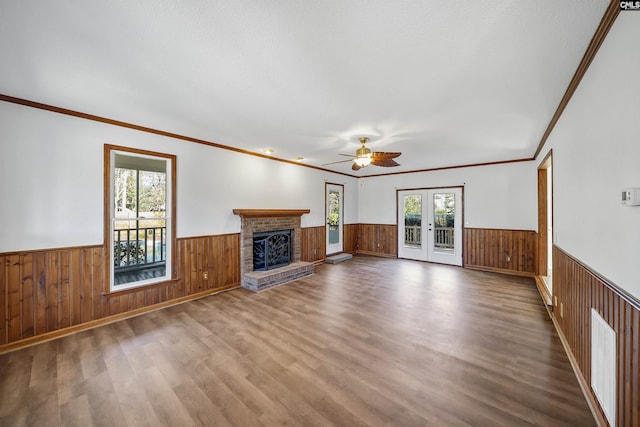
334 212
430 225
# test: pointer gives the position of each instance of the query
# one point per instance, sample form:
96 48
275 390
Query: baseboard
378 254
500 270
49 336
584 386
544 292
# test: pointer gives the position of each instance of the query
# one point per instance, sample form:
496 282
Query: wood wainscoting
501 250
55 289
314 242
484 248
578 289
351 238
378 239
44 291
369 239
219 255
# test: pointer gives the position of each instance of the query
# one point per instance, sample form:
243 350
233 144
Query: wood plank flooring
371 341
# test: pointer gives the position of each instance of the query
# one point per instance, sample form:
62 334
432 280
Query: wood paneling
44 291
510 251
313 244
49 290
378 239
314 241
351 238
218 256
578 289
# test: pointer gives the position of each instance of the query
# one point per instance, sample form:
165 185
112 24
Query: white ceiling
444 82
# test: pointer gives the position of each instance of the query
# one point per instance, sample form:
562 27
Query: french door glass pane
413 220
444 208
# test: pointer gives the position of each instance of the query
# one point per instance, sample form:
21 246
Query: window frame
170 214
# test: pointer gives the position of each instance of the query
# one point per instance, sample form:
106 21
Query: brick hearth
260 280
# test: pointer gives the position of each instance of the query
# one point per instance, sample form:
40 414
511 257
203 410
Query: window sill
117 293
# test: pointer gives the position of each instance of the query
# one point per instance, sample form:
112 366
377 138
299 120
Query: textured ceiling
444 82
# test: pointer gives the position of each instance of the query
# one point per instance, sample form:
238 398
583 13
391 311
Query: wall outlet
555 300
205 275
508 258
561 310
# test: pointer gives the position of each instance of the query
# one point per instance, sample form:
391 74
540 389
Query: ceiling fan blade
348 155
333 163
355 166
387 163
384 155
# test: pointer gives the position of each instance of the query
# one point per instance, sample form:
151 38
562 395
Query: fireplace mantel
259 213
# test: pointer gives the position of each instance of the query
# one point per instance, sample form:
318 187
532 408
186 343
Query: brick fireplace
266 220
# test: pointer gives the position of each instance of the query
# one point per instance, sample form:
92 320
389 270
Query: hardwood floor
371 341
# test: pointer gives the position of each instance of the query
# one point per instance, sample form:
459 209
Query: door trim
326 216
544 220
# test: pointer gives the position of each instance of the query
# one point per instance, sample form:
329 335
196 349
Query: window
140 230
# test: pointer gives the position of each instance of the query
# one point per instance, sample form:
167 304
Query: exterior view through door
430 225
334 209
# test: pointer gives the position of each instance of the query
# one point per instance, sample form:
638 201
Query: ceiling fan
364 157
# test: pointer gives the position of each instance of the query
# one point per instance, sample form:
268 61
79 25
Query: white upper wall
495 196
596 153
52 174
52 167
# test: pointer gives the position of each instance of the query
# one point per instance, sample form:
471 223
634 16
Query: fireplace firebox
271 249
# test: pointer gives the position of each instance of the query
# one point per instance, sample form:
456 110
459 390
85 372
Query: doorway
430 225
334 212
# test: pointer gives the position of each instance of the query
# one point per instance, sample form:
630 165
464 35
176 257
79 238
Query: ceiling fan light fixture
363 154
363 161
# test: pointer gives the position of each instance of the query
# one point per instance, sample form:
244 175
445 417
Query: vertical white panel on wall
603 365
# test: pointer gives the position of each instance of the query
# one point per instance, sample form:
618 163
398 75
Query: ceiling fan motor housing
363 152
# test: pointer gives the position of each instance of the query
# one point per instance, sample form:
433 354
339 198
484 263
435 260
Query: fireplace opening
271 249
